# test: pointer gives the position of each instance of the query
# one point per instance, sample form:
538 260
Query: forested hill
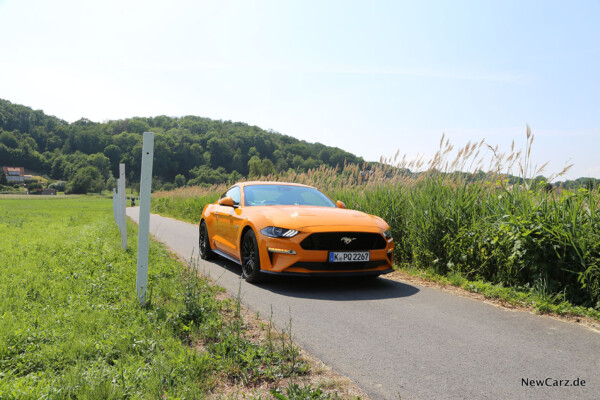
200 149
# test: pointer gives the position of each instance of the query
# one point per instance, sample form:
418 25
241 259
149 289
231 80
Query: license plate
348 256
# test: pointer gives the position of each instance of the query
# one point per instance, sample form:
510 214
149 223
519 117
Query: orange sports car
292 229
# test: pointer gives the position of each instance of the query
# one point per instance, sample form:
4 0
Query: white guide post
144 218
115 204
122 206
118 205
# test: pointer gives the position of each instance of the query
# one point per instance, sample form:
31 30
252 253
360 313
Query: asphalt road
394 338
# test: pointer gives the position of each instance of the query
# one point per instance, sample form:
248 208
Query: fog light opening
280 251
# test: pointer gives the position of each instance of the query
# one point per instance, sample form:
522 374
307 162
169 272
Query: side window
235 194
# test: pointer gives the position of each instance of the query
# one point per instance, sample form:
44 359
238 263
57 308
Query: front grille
332 241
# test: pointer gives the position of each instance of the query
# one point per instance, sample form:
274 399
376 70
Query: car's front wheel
205 251
250 258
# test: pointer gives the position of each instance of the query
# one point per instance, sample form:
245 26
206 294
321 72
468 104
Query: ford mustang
293 229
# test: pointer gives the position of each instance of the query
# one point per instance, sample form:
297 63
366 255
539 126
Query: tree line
187 150
85 155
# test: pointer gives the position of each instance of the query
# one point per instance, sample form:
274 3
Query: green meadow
70 326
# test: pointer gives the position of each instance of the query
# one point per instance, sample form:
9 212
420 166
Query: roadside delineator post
122 206
114 198
144 216
118 205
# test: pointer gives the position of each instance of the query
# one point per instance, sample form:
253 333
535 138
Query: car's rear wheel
250 258
205 251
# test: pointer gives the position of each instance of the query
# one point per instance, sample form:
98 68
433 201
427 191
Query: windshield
285 195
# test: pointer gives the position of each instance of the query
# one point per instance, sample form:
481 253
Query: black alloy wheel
250 258
205 251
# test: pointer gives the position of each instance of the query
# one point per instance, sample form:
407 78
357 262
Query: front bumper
291 258
331 274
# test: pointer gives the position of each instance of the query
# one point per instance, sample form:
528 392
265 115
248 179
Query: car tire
206 252
250 258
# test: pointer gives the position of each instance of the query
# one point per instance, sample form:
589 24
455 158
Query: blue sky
370 77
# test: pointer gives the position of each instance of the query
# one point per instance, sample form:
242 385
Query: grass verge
70 326
536 299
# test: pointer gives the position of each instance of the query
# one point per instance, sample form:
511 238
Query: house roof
12 170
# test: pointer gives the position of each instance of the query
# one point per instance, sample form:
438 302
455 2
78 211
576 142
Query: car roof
252 183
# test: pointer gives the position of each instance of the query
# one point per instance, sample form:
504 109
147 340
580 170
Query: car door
229 222
218 227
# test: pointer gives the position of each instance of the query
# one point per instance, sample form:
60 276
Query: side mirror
226 201
340 204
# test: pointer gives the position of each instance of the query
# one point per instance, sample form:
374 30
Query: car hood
299 217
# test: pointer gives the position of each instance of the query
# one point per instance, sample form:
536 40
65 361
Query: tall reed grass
490 225
185 203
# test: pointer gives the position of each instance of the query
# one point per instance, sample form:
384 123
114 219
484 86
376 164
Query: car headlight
276 232
387 234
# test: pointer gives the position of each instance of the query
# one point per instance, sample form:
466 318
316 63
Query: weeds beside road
70 326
